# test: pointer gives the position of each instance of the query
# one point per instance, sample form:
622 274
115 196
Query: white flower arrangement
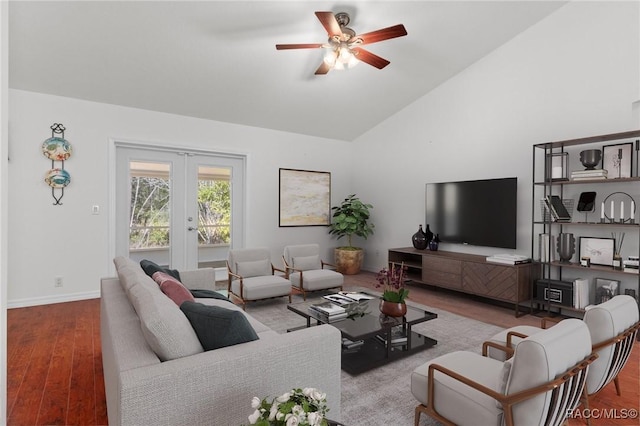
298 407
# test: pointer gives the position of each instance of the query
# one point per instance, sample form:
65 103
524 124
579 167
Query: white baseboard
47 300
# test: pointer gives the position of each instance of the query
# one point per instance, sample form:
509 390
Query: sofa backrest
165 328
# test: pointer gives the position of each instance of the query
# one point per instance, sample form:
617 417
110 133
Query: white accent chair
252 276
307 271
539 385
613 326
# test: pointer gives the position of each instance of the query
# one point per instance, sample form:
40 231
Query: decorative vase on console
433 244
419 239
566 247
429 234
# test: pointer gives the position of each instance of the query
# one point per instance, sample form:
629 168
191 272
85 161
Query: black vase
429 234
419 239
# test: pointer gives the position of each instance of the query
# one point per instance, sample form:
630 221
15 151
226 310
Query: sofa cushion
305 263
172 288
208 294
217 327
151 268
255 268
165 328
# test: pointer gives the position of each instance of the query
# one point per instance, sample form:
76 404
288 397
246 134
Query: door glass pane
150 211
214 215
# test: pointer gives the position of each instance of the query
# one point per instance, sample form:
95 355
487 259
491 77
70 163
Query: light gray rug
383 396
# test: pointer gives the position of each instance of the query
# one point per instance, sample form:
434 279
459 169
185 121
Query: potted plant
350 218
394 292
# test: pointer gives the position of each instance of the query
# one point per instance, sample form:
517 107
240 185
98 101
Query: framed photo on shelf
305 198
600 250
618 160
606 289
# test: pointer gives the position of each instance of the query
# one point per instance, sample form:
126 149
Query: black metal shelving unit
544 184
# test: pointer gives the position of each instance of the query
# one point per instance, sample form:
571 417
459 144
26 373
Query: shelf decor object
57 148
615 202
606 289
590 158
618 240
599 250
557 166
566 245
618 160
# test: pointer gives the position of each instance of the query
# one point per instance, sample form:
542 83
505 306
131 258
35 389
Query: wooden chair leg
417 416
585 401
617 383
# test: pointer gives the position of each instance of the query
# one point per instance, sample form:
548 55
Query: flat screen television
475 212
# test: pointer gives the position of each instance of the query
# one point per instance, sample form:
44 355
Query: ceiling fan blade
323 68
299 46
383 34
328 21
370 58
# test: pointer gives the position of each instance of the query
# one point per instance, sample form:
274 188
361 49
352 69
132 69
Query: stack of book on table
345 298
589 174
398 337
329 311
508 259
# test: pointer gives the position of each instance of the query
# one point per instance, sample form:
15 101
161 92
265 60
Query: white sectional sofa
156 372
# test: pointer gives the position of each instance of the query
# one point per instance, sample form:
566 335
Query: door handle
191 228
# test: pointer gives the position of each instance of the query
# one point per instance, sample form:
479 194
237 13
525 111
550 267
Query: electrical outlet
57 282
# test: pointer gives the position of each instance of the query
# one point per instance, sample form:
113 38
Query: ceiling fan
343 48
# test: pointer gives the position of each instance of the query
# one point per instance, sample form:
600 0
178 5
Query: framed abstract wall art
305 198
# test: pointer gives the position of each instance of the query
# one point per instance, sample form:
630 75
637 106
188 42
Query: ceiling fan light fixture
340 57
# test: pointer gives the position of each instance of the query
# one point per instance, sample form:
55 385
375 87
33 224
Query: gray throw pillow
254 268
149 267
218 327
307 263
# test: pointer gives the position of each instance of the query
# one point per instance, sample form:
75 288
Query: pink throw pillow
173 288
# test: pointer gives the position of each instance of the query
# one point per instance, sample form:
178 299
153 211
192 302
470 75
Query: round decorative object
56 149
433 245
57 178
393 309
419 239
590 158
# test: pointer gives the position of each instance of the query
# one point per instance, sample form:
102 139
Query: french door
179 208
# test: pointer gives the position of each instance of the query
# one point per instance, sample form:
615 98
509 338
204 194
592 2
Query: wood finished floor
54 369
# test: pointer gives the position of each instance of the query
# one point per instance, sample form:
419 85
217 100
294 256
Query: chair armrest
553 320
512 334
506 349
323 263
274 269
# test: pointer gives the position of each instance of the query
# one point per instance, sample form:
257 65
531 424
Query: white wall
4 126
47 241
573 74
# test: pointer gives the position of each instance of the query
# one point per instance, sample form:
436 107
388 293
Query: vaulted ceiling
217 59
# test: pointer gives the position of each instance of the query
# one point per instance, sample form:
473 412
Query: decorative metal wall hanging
57 148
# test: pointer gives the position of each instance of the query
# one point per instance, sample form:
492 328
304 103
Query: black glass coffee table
369 338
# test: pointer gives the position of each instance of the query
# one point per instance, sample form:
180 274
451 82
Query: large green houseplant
350 218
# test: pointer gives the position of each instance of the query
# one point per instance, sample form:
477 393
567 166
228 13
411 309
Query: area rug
382 396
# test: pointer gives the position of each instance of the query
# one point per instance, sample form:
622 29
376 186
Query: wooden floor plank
53 409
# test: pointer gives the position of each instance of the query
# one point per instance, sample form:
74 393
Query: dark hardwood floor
54 370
